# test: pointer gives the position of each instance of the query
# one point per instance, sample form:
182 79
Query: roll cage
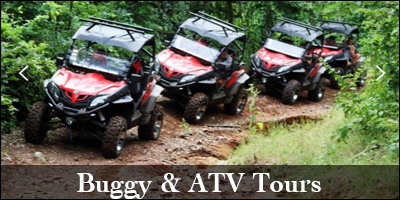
221 31
111 33
298 29
346 28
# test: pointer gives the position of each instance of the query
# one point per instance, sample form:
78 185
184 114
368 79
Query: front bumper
81 114
173 84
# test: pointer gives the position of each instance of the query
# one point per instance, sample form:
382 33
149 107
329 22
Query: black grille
176 76
81 102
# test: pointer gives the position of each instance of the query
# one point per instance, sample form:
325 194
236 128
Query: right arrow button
383 73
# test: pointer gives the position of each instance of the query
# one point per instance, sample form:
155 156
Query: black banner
217 182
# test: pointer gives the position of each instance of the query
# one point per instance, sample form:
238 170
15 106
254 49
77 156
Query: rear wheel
334 83
236 106
152 130
319 91
114 137
196 108
37 123
362 79
291 92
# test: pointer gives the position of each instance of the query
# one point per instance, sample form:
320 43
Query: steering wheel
83 55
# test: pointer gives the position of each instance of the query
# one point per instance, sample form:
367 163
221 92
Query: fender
234 88
234 78
316 69
149 104
149 89
321 71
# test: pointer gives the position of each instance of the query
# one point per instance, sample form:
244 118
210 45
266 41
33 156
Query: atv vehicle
105 85
288 69
189 68
337 56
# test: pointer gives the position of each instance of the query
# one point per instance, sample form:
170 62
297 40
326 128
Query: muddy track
210 142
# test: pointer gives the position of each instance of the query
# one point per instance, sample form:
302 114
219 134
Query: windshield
284 48
195 48
98 60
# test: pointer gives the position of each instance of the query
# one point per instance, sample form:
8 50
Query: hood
85 84
273 59
174 64
328 52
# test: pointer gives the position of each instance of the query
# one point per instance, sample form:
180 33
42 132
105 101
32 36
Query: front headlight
54 90
256 59
157 66
187 78
283 68
328 58
99 100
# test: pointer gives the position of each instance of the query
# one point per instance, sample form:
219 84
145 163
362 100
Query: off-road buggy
189 69
106 84
287 63
338 55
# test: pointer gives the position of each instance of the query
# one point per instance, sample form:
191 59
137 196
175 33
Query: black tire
333 82
362 79
37 123
318 92
291 92
114 137
238 103
196 108
152 130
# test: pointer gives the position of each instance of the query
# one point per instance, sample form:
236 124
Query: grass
335 164
309 143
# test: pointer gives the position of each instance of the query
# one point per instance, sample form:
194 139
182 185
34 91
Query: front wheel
152 130
37 123
318 92
291 92
114 137
236 106
196 108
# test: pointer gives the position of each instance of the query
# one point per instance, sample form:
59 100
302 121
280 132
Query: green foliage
252 109
16 53
375 111
185 126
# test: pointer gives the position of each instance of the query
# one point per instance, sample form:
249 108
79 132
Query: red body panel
234 78
150 86
78 86
175 64
328 52
315 70
274 59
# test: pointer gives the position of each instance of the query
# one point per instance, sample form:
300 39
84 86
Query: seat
136 66
99 58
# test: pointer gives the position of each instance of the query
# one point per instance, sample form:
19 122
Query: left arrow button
20 73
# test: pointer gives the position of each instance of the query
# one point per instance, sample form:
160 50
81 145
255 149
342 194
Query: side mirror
166 43
60 62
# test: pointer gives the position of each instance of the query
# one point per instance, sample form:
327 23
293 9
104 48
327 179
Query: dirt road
210 142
